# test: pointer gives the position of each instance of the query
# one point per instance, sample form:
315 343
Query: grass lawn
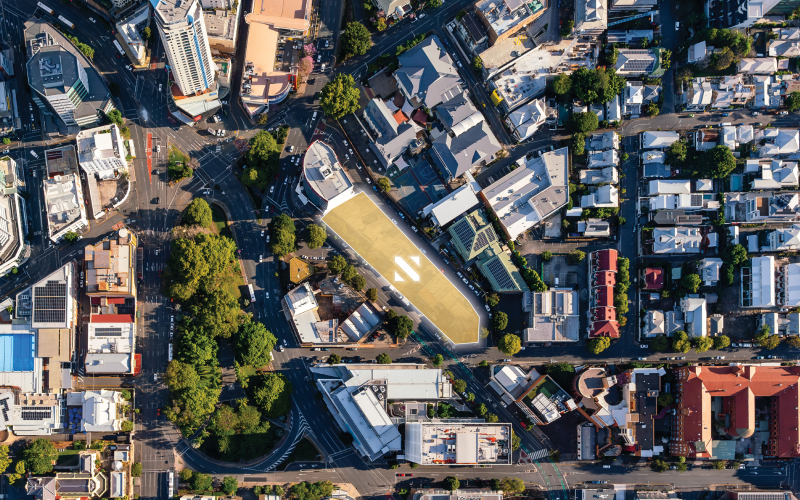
176 154
305 452
244 373
220 225
209 376
233 282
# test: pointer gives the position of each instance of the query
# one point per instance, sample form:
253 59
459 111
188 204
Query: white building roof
101 151
790 285
758 66
604 197
694 316
673 186
301 300
676 240
99 410
454 204
658 140
762 281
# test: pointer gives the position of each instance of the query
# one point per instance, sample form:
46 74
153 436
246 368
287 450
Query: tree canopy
717 163
180 376
39 455
676 152
312 491
509 344
451 483
721 342
703 344
272 393
582 122
598 345
315 236
401 326
4 460
597 85
283 235
199 213
512 485
355 39
337 264
680 342
765 339
437 360
339 96
197 265
735 254
562 84
383 359
254 344
792 101
262 160
691 282
500 321
229 485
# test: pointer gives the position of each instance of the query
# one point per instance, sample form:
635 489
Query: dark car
326 348
156 201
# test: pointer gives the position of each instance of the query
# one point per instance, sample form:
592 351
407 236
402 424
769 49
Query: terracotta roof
654 278
604 329
604 314
605 296
738 386
604 278
400 117
607 260
111 318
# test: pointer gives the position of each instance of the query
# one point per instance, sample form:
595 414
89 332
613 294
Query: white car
92 20
677 25
606 466
267 238
487 308
291 149
33 153
262 233
266 294
459 63
326 43
260 258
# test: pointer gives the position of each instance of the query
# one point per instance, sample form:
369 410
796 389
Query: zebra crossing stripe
539 454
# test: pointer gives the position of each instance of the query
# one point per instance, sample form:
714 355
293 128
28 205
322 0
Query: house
637 95
426 74
673 240
686 202
772 174
395 9
430 444
694 316
602 278
100 410
599 176
757 66
454 204
786 45
654 324
594 228
527 196
676 218
602 141
602 197
785 239
653 278
672 186
393 132
636 62
553 315
699 96
739 388
698 52
591 17
527 119
598 159
510 382
709 270
788 286
758 283
474 239
706 138
658 140
778 141
471 144
454 110
762 206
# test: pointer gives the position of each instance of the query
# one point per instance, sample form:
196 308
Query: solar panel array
638 65
50 302
36 413
108 332
4 409
464 232
500 274
483 240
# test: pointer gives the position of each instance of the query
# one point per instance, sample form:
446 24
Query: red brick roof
654 278
419 116
604 329
605 278
604 314
605 296
738 386
111 318
607 260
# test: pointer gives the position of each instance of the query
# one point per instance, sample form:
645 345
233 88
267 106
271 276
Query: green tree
511 485
127 426
199 213
599 344
718 464
792 101
229 485
578 143
194 347
722 59
383 185
434 3
6 141
136 469
576 256
612 56
680 342
115 116
653 109
71 237
262 160
516 441
437 360
721 342
459 385
659 465
509 344
566 29
682 467
337 264
717 163
334 359
339 96
273 394
477 64
186 475
358 282
4 460
676 152
147 33
765 339
381 24
500 321
39 456
254 344
383 359
665 399
583 122
401 326
481 410
315 236
562 84
126 133
494 484
793 341
660 343
691 282
191 407
492 299
283 235
247 417
372 294
201 482
355 39
703 344
451 483
312 491
492 418
224 422
483 364
349 273
735 254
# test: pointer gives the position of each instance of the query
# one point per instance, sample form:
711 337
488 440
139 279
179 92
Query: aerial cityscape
399 249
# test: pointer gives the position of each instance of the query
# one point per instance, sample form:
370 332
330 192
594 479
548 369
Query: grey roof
43 488
459 154
108 362
42 41
394 137
456 109
426 72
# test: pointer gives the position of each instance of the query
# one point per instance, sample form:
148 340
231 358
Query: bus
252 293
45 8
170 484
169 352
66 22
119 47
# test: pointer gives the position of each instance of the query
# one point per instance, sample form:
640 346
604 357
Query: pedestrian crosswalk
539 454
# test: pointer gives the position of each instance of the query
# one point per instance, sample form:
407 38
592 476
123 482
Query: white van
33 153
322 68
314 117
